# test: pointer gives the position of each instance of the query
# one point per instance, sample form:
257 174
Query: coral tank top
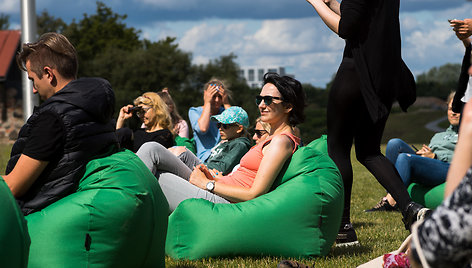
244 176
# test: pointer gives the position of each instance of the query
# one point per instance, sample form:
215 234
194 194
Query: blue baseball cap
233 114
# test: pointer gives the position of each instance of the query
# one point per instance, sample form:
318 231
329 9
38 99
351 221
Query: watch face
210 186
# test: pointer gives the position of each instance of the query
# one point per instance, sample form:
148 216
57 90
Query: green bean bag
14 237
300 218
188 143
117 218
428 196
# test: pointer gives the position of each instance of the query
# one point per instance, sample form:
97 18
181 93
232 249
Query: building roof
9 41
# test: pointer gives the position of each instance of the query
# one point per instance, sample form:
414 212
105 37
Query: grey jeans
172 175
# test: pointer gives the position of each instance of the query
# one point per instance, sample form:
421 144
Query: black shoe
383 205
414 212
346 236
292 264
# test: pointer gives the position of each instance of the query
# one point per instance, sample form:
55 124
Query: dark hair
292 92
52 50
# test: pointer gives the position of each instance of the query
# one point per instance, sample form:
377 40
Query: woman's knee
393 143
151 146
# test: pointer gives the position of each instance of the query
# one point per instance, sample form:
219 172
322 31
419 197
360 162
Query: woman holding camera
152 111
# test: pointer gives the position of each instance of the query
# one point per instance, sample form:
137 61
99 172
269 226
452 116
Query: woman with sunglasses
261 131
152 111
372 75
281 104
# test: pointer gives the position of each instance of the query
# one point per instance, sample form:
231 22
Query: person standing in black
372 75
72 126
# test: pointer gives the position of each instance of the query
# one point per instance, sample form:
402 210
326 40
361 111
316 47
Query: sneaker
414 212
292 264
382 205
346 236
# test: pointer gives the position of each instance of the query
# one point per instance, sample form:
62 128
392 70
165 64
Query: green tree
97 33
438 81
4 21
149 68
48 23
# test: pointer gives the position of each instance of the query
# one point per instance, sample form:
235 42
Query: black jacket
85 107
372 33
457 104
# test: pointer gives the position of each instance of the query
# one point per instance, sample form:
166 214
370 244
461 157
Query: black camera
134 109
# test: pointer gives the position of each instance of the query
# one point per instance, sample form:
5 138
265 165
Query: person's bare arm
275 155
25 173
124 115
329 14
204 120
462 159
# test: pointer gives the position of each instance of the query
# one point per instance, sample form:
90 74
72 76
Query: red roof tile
9 41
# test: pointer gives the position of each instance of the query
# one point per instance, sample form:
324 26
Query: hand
463 28
198 178
125 114
177 150
209 93
425 151
216 174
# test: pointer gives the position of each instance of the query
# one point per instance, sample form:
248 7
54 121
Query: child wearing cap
235 142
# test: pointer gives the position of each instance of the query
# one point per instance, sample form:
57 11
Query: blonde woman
157 123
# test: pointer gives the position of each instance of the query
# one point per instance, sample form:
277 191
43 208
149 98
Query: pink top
244 176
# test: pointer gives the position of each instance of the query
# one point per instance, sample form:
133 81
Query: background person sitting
429 165
232 123
281 104
261 131
205 131
72 126
180 125
152 111
443 239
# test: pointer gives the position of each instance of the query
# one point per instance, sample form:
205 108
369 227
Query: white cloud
305 46
9 6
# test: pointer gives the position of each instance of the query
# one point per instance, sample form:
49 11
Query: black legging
348 122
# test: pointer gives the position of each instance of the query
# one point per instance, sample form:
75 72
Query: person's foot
346 236
383 205
414 212
291 264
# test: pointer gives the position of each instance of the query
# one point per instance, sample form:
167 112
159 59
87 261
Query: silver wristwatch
210 186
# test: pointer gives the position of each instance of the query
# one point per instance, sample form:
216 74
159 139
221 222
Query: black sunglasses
267 99
260 132
225 126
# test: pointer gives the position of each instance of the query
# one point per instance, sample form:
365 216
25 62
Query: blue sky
282 32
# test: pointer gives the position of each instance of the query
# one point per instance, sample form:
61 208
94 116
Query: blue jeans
415 168
396 147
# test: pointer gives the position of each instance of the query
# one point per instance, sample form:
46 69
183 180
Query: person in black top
157 123
372 75
72 125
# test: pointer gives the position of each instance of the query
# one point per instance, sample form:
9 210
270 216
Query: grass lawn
378 233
